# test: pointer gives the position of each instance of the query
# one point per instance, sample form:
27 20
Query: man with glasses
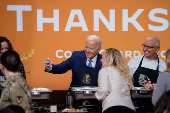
145 69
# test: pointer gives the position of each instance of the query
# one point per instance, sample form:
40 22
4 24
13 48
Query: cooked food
41 88
73 110
143 88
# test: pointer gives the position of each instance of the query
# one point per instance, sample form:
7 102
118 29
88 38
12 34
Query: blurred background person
114 83
145 68
5 45
15 90
163 82
163 103
12 109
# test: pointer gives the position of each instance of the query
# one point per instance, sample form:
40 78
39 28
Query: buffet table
84 97
140 97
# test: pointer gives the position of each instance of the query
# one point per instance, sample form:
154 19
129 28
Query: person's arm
160 89
5 99
20 93
63 66
103 85
148 86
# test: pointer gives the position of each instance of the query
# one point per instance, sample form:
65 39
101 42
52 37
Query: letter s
158 19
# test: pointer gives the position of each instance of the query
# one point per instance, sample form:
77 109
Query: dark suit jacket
73 63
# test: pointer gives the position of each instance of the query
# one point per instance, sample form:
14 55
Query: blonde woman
163 82
114 83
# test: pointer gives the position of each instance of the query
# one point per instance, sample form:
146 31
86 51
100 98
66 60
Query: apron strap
157 66
141 62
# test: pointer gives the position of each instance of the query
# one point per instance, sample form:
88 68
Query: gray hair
155 39
95 37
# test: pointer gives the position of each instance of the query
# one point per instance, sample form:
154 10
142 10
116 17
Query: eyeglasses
149 47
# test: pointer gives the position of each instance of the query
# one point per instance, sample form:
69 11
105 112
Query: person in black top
5 45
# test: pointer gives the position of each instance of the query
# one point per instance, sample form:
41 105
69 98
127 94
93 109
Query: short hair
156 40
163 103
4 39
95 37
116 60
11 60
167 54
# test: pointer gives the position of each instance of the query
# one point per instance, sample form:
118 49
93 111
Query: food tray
72 111
137 92
41 90
85 92
75 112
41 94
84 88
140 88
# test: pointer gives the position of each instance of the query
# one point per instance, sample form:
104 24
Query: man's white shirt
151 64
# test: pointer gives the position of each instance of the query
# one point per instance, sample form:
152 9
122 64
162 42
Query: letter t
19 9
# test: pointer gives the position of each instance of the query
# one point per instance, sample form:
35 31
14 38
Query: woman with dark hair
114 83
163 81
163 103
15 90
5 45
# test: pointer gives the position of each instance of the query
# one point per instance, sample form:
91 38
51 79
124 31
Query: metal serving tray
84 88
85 92
137 92
41 94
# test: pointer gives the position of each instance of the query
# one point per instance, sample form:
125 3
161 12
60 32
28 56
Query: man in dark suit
85 64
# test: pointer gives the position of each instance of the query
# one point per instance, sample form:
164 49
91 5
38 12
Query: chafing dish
41 94
85 98
38 95
85 92
139 92
142 99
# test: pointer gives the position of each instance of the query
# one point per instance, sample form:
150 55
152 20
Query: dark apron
85 76
144 75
